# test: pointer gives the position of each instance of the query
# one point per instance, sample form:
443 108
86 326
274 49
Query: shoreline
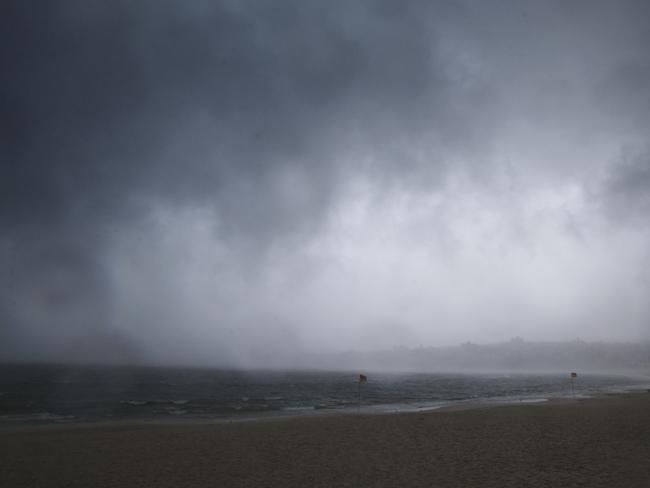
282 416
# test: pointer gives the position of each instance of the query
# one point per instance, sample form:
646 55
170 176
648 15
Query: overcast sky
223 181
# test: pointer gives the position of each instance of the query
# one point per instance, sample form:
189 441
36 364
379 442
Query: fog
241 182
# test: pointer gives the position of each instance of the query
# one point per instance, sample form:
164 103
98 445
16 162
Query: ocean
69 394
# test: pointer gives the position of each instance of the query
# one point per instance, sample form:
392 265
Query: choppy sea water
68 394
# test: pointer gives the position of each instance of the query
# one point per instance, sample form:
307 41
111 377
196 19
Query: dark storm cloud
110 108
263 115
107 104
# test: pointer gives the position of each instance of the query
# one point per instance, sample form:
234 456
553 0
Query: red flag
363 378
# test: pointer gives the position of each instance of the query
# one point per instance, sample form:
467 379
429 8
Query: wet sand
601 442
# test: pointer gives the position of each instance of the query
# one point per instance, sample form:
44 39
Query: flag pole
362 379
359 404
573 390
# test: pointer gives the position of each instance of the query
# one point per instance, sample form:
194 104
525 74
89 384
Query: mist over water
246 184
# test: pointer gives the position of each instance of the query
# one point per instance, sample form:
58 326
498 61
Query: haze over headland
215 182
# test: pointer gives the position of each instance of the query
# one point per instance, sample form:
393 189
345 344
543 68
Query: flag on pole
363 378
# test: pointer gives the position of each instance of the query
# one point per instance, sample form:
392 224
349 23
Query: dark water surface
56 393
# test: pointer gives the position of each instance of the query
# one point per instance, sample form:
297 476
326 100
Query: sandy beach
594 442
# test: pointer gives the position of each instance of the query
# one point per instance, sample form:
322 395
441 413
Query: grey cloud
266 117
147 101
625 193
